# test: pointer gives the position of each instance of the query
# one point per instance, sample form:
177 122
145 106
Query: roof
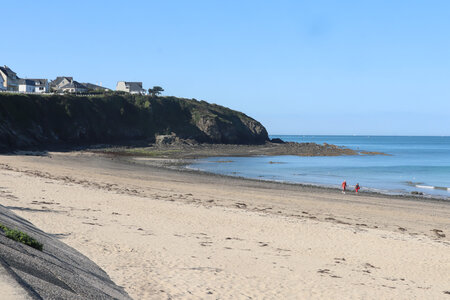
92 86
26 82
59 79
74 85
8 71
37 82
134 85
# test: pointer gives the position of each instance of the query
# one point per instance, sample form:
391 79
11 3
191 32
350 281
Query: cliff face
36 120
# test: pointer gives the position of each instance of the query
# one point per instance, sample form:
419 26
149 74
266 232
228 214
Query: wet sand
164 233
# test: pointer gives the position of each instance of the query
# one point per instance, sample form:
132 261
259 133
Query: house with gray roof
73 87
66 84
33 85
59 82
95 87
26 86
130 87
41 85
9 79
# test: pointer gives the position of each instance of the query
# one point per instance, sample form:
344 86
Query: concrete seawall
57 272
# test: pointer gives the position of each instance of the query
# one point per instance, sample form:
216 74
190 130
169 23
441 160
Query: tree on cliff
155 91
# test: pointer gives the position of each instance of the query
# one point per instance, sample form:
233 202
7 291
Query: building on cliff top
10 80
65 84
59 82
33 85
73 87
130 87
95 87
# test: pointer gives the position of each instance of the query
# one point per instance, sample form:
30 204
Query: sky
298 67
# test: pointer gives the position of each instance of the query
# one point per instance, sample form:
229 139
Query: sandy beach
168 234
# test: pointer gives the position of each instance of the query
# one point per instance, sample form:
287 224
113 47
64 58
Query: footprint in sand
240 205
367 265
439 233
94 224
367 268
233 238
327 272
206 244
339 260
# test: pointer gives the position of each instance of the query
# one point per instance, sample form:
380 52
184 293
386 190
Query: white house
41 85
26 86
130 87
33 85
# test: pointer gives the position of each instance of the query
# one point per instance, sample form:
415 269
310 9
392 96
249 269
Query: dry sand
181 235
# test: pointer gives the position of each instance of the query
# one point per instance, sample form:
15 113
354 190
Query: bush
21 237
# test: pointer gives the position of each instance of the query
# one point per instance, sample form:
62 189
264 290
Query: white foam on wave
424 186
443 188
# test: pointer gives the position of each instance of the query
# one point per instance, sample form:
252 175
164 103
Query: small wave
424 186
443 188
412 183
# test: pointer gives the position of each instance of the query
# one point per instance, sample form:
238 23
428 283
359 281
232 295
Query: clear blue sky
299 67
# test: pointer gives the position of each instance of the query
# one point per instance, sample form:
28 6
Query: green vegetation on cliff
41 120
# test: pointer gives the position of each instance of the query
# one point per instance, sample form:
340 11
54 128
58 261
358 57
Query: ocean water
415 163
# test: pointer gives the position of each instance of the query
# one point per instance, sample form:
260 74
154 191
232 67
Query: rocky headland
140 125
33 121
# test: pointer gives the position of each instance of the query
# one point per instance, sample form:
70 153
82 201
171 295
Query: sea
414 164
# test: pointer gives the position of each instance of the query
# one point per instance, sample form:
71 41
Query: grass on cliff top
21 237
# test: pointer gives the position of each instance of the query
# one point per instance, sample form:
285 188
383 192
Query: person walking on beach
344 186
357 187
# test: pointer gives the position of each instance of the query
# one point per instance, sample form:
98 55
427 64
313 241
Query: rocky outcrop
28 121
235 130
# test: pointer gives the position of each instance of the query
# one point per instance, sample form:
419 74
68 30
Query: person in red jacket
357 187
344 186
